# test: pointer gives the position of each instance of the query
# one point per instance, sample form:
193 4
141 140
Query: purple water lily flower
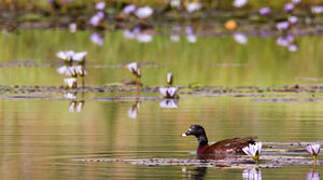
296 1
293 19
282 26
265 11
129 9
289 7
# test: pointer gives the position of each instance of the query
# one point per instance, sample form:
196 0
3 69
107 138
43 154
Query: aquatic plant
169 92
144 12
251 174
253 150
71 82
314 150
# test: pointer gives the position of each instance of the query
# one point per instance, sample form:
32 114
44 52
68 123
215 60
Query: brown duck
232 146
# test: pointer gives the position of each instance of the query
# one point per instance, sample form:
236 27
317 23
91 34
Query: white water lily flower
66 70
169 79
71 82
70 96
129 9
66 55
296 1
253 150
317 9
79 56
194 6
251 174
239 3
144 12
168 103
80 70
175 3
168 92
133 67
100 6
313 149
240 38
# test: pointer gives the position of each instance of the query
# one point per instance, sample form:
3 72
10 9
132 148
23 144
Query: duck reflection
251 174
133 111
313 174
169 103
197 173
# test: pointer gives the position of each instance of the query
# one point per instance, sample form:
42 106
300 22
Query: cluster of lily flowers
254 150
74 66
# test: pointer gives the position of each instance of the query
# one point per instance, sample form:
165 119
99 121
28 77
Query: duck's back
234 145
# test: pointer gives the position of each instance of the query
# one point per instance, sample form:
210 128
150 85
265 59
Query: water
40 138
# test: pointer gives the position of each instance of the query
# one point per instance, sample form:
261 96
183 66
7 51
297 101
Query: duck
227 146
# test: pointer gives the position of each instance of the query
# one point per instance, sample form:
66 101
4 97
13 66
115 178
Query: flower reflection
240 38
190 36
76 106
313 175
169 103
97 38
251 174
133 111
142 36
169 92
70 95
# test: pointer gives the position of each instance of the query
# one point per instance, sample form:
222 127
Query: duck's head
195 130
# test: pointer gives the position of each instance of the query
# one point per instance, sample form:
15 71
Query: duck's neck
202 140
